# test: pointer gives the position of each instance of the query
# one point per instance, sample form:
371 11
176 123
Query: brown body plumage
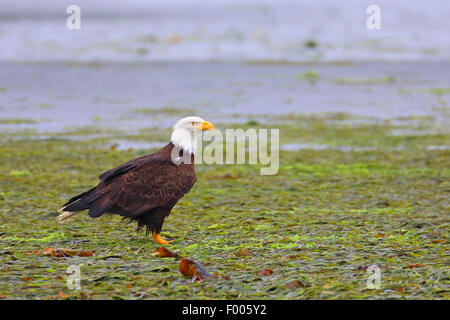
144 189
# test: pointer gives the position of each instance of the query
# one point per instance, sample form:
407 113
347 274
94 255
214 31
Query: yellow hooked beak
205 125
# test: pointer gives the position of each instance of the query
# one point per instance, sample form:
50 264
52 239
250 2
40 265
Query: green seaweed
16 121
367 81
318 224
436 91
309 75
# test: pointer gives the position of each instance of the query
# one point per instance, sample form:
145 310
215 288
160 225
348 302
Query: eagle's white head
183 132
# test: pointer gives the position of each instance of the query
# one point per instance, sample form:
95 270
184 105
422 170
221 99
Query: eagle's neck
183 139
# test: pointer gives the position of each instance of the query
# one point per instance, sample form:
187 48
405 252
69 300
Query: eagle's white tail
65 215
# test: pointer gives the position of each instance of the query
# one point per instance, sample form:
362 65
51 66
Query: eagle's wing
124 168
142 184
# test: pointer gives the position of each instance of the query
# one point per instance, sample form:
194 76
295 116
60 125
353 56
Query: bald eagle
147 188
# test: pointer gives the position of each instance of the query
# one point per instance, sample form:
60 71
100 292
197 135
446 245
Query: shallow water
179 30
59 97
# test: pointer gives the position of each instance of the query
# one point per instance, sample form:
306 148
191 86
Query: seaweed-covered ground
350 192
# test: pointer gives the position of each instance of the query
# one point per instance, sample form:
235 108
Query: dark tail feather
77 205
72 200
71 207
101 201
99 207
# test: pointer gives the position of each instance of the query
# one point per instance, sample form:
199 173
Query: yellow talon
157 238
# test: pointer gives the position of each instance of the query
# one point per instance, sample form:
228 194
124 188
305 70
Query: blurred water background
232 30
218 59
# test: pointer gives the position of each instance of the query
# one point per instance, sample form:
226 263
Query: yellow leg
157 238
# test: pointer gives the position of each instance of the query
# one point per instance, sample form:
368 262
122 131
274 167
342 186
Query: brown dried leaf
190 268
33 252
85 253
62 295
226 176
164 253
187 267
61 252
417 265
266 272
